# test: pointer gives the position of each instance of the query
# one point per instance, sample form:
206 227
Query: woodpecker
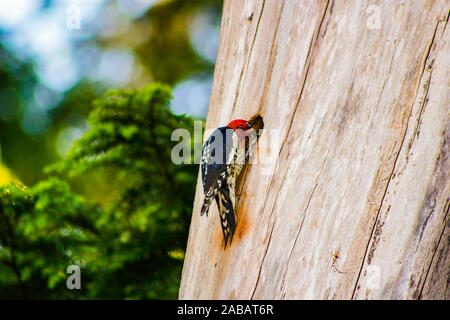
224 155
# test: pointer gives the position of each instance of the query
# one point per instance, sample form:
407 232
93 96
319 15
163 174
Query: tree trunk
354 204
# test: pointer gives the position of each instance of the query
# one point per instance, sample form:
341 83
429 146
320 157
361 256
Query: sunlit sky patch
14 12
45 36
192 97
109 73
204 33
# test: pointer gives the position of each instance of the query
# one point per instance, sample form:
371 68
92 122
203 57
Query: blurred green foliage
169 47
17 83
17 79
129 249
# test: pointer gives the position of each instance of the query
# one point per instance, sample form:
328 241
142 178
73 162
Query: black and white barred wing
217 154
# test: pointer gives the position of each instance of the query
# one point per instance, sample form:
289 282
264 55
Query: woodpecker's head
244 128
255 122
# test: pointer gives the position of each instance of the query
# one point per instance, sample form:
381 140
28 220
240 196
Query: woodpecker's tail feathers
227 217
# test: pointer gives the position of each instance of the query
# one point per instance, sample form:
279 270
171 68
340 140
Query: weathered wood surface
356 203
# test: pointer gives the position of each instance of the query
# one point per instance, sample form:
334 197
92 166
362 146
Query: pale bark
356 203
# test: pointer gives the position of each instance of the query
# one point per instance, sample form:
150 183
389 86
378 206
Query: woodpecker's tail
226 213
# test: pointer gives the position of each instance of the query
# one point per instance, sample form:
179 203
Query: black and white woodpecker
224 155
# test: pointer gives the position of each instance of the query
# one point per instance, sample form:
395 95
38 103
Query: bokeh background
50 73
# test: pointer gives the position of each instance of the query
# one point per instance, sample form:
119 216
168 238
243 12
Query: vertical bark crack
434 253
245 66
262 262
395 161
312 45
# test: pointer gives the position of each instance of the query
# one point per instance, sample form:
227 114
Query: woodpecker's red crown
256 122
239 124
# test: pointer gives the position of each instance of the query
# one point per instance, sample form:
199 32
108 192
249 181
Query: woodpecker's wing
218 152
215 156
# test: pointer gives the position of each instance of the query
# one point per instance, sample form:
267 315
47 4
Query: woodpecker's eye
248 125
